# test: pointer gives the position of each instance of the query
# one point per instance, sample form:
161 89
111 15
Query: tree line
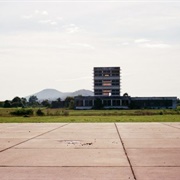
34 102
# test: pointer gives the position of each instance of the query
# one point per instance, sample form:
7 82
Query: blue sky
56 44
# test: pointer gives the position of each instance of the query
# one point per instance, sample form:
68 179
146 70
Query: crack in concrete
33 137
125 152
170 126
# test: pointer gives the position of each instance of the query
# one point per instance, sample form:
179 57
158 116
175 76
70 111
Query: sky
56 44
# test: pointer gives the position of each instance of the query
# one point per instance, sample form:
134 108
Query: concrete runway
84 151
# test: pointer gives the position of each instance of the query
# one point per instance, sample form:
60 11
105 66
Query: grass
63 115
79 119
61 112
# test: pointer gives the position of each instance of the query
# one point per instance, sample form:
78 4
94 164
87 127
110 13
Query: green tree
98 104
125 94
24 102
45 103
33 100
7 104
16 102
69 102
1 104
57 104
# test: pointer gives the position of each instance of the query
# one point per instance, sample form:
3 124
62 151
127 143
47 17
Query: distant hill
53 94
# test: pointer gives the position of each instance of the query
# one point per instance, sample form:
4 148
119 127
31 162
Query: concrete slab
80 135
157 173
8 142
151 143
29 127
154 157
88 127
63 157
66 173
165 135
145 128
84 131
175 125
75 144
18 135
26 130
90 151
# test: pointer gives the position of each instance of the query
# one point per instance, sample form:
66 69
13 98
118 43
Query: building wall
154 102
107 81
106 102
125 102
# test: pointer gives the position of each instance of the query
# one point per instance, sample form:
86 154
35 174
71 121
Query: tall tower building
107 81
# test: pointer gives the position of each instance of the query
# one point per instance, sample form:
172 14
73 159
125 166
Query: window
98 92
107 102
79 103
98 83
88 102
115 92
106 83
115 82
106 92
116 102
106 73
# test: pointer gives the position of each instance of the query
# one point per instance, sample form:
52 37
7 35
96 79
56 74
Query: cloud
141 41
151 44
125 43
48 21
156 45
54 23
74 79
71 28
36 14
44 13
59 18
82 45
40 17
36 11
27 16
45 21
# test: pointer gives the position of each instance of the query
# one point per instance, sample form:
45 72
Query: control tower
107 81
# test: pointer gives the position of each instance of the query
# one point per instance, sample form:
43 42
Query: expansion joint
125 151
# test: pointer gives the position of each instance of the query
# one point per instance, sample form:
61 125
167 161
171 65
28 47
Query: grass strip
88 119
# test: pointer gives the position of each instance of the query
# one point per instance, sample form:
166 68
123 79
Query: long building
107 94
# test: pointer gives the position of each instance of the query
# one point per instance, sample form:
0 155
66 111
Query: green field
5 112
64 115
78 119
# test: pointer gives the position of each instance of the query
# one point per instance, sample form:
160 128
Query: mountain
82 92
53 94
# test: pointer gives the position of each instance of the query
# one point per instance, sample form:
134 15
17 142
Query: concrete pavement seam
125 152
69 166
33 137
170 126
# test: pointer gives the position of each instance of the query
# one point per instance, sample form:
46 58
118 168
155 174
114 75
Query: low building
98 102
107 94
124 102
153 103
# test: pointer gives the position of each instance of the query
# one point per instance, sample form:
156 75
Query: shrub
161 113
39 112
22 112
65 113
